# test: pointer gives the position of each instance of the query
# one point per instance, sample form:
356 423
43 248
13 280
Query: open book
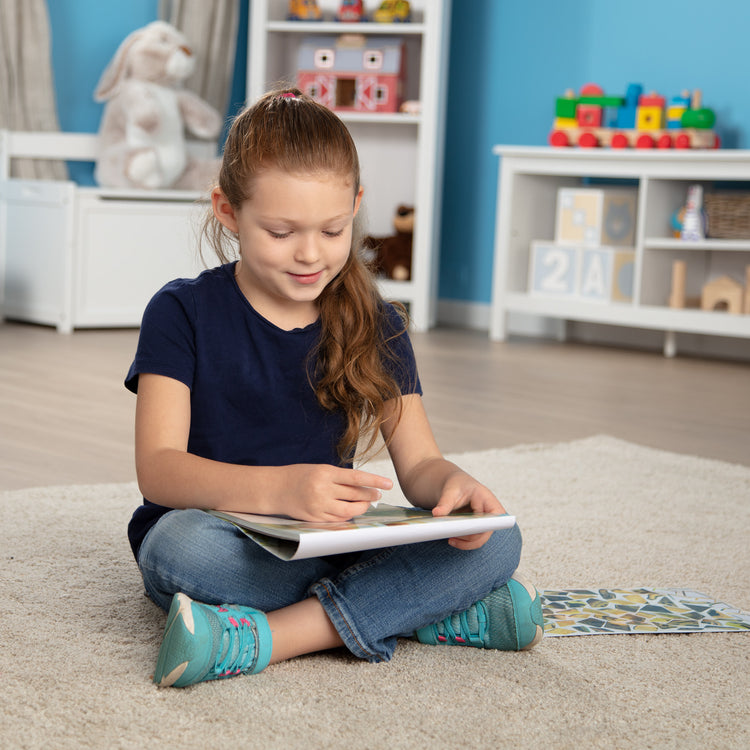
382 526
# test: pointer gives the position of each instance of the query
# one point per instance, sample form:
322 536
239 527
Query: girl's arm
169 475
427 479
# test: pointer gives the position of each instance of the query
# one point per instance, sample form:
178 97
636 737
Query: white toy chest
83 257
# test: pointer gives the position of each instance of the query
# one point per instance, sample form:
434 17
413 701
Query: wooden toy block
596 217
649 117
607 274
676 109
723 293
652 100
589 115
633 93
553 269
603 101
565 106
674 116
679 285
626 113
626 117
565 122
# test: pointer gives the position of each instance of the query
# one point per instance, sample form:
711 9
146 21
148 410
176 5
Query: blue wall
509 59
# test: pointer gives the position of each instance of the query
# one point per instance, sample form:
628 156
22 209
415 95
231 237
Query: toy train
636 120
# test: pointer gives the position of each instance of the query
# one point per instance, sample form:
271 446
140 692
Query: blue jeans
371 597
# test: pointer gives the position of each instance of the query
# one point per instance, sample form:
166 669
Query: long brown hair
351 368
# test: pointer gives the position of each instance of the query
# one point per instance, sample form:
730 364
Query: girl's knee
184 545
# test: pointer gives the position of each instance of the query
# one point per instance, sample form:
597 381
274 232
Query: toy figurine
304 10
392 11
694 220
351 11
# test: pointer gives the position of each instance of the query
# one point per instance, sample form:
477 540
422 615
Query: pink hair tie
287 95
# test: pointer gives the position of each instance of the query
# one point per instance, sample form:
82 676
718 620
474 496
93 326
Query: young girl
256 382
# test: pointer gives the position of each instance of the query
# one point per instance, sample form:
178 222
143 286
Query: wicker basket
728 215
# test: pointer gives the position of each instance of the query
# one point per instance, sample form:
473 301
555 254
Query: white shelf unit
400 154
529 178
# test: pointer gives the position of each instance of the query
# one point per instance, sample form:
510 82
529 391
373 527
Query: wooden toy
392 11
607 274
677 108
693 218
554 269
633 121
723 293
596 216
677 296
350 11
353 72
304 10
625 116
593 274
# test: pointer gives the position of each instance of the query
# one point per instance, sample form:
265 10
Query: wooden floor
66 418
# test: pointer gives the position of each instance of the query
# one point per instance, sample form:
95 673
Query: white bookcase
529 179
400 154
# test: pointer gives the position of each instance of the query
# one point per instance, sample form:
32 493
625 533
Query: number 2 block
554 269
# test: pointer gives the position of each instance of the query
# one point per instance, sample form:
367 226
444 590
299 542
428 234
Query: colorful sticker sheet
607 611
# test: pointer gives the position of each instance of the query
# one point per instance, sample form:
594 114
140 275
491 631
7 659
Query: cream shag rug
78 639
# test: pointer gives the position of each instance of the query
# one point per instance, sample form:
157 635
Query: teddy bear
391 256
142 139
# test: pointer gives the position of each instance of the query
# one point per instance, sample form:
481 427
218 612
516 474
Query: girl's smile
307 278
295 234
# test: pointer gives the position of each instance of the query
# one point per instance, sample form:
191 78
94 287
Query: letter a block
607 274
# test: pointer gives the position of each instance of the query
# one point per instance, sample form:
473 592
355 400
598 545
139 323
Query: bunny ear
115 71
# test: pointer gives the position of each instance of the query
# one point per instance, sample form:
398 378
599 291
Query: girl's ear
223 210
358 199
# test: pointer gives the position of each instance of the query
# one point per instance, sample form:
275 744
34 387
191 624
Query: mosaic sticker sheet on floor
607 611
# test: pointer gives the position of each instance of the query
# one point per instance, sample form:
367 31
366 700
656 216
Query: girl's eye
279 235
334 234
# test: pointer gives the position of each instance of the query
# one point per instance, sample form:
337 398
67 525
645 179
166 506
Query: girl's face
295 236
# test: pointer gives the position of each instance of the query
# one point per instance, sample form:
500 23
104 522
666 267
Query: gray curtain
27 94
211 28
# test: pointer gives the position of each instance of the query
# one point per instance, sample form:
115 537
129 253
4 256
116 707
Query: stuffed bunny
142 133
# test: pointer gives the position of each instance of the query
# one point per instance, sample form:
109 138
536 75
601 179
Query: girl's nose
307 249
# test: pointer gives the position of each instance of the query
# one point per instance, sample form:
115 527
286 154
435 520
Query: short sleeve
400 360
166 344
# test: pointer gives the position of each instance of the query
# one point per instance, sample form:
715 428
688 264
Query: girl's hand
323 494
460 491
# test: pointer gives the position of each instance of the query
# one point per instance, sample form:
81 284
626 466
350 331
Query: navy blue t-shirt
250 395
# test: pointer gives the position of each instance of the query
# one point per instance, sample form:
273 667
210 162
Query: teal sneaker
508 618
207 642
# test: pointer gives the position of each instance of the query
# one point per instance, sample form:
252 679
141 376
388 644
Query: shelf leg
670 344
498 324
562 330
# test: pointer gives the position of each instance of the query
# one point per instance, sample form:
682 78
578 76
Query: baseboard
475 316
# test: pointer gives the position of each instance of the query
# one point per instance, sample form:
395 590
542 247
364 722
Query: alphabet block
594 274
596 217
554 269
607 274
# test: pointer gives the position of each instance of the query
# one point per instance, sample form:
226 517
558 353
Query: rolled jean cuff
336 608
